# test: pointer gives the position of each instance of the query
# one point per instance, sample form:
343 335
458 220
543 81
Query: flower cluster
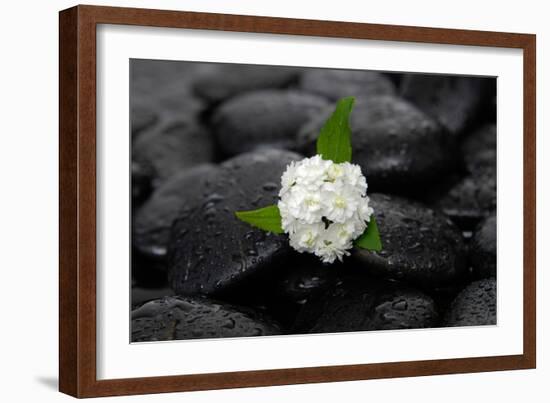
323 206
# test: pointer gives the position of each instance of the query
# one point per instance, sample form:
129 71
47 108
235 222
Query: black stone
268 118
282 291
141 295
484 248
336 84
152 223
148 272
222 81
150 77
211 251
302 279
357 303
472 198
480 148
164 89
456 101
142 177
257 174
174 148
177 106
398 147
476 305
178 318
142 117
419 245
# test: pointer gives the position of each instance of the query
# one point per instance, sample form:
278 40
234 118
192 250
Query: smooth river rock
174 148
336 84
356 303
472 198
211 251
303 277
152 223
267 118
163 90
142 181
483 249
455 101
221 81
141 118
178 318
476 305
140 295
480 148
419 245
398 147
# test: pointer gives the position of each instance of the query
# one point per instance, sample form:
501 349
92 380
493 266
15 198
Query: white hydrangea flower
324 206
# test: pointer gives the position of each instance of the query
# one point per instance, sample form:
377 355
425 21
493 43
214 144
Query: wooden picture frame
77 276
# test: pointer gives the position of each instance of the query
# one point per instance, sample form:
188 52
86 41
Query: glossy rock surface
221 81
484 248
153 221
456 102
476 305
268 118
336 84
172 149
419 244
212 251
358 303
397 146
177 318
480 148
471 198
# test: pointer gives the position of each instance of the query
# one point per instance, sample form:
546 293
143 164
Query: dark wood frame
77 182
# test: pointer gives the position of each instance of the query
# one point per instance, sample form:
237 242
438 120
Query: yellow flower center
311 202
340 202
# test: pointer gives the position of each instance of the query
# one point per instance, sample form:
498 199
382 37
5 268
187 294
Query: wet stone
472 198
398 147
150 77
483 250
152 223
177 106
142 117
178 318
257 174
219 82
476 305
268 118
358 303
211 251
336 84
419 245
140 295
480 148
163 89
142 177
303 278
457 102
174 148
395 78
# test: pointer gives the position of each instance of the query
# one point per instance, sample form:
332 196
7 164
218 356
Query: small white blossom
324 206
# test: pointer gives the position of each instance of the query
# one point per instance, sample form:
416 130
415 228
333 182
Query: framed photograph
254 201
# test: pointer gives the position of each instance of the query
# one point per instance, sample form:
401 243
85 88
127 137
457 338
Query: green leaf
371 237
334 141
266 218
